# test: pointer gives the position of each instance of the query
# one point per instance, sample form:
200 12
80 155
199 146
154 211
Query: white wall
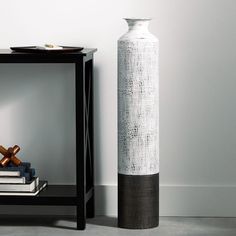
197 95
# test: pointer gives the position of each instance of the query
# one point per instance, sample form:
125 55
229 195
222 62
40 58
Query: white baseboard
206 201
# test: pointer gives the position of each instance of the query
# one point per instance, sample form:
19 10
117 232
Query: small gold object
50 46
9 155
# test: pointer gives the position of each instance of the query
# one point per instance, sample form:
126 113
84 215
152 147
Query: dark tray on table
34 49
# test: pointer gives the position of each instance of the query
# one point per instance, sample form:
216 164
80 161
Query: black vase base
138 201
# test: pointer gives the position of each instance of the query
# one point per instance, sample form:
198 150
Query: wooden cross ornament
9 155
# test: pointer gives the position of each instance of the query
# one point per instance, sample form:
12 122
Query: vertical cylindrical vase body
138 127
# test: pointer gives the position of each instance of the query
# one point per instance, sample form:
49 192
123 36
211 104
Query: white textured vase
138 114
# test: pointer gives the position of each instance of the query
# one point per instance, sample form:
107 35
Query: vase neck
138 24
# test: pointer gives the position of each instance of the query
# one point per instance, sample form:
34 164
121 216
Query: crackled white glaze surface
138 100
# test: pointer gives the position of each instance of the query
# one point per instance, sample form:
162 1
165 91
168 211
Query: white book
41 186
9 173
12 180
28 187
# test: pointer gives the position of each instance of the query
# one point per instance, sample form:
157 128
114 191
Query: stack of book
20 180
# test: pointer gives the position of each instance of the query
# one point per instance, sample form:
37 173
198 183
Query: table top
9 56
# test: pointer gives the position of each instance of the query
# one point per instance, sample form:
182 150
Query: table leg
80 143
90 136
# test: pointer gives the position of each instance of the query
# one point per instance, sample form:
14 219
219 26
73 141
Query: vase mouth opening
137 19
138 24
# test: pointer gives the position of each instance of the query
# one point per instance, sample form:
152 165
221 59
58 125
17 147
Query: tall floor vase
138 127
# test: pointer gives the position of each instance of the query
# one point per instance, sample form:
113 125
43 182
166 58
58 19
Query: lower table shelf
64 195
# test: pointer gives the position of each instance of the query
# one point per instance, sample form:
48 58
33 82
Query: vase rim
138 18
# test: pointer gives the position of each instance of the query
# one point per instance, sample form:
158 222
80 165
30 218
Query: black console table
80 195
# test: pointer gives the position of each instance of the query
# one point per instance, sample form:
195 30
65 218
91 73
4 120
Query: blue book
26 164
23 170
32 172
12 171
29 175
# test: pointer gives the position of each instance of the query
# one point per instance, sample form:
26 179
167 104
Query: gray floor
107 226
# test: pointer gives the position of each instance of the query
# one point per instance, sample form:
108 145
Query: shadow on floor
64 222
103 221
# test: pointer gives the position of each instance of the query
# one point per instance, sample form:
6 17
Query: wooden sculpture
9 155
